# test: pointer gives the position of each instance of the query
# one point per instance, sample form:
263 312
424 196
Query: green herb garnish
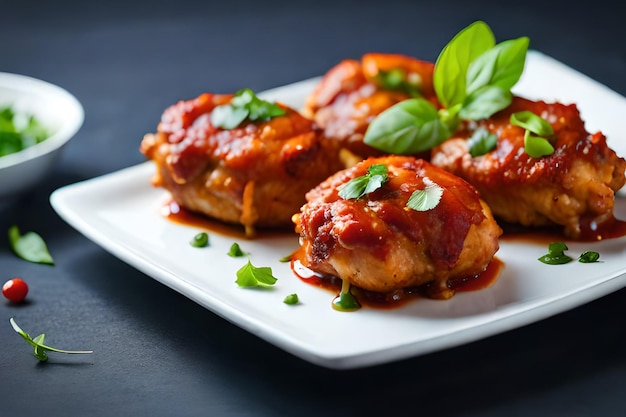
473 79
244 105
426 199
40 348
19 131
409 127
291 299
29 246
538 133
235 251
200 240
345 301
357 187
589 257
556 254
397 79
481 142
286 258
249 276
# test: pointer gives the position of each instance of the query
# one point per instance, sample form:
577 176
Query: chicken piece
379 244
573 188
255 175
353 93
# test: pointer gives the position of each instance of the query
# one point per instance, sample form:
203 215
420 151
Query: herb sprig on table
38 344
29 246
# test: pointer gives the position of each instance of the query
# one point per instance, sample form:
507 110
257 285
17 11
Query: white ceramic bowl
57 110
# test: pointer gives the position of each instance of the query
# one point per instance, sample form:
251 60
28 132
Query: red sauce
397 298
608 230
178 214
590 232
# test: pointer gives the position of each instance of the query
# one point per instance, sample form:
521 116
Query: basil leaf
449 77
408 127
29 246
228 117
426 199
481 142
251 276
396 80
357 187
537 146
530 121
244 105
501 66
484 102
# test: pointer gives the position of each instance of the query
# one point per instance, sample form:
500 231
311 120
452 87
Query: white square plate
121 212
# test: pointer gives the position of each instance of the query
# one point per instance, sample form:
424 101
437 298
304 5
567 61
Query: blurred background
127 61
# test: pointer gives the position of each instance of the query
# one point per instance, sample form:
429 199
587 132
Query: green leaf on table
29 246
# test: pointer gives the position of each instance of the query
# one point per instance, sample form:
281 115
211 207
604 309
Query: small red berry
15 290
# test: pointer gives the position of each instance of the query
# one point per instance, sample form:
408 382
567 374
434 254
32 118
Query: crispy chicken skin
351 94
255 175
379 244
574 187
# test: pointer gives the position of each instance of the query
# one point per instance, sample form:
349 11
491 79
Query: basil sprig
473 79
244 105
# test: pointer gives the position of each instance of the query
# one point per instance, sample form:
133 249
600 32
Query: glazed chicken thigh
573 188
352 93
378 243
255 174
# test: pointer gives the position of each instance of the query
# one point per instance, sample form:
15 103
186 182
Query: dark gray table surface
158 353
